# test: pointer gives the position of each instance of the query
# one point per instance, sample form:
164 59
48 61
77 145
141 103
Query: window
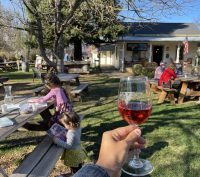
137 46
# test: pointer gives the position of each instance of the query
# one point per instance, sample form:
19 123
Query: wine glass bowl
135 112
135 107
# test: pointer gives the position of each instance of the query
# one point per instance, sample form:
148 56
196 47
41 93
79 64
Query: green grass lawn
172 132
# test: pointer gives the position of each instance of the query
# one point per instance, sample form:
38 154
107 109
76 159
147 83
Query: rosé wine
135 112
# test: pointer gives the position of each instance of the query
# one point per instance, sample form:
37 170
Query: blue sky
190 14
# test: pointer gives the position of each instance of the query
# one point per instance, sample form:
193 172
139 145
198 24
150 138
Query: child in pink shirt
62 101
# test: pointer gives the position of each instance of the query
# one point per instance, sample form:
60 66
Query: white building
154 42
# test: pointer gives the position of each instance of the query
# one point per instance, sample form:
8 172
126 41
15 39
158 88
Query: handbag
57 131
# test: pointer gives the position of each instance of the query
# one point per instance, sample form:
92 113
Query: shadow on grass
94 105
18 88
17 75
162 117
167 112
89 132
149 151
166 118
101 91
27 141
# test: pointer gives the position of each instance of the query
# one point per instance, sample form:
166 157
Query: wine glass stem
136 162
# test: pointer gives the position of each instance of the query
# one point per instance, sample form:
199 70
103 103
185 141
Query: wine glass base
146 169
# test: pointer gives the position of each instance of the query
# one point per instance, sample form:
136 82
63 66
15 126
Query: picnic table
188 87
66 78
75 92
3 79
18 119
8 65
37 163
163 92
77 66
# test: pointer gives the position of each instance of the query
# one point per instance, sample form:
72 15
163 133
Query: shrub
148 70
137 69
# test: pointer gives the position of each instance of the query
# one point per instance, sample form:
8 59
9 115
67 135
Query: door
106 58
157 54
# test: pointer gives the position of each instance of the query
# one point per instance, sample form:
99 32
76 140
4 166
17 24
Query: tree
9 36
50 20
40 13
53 22
95 23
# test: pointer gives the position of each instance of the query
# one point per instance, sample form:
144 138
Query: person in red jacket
167 75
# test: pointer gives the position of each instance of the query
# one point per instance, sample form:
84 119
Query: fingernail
116 137
137 132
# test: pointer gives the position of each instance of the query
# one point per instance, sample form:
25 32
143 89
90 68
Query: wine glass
135 106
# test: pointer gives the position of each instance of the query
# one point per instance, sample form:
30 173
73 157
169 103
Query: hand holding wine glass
135 106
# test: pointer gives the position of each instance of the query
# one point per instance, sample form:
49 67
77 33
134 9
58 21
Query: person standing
38 62
73 155
66 56
19 62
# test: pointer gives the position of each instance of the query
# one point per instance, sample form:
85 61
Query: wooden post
150 53
162 96
177 53
122 68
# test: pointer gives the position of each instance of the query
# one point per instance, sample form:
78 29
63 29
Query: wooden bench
154 85
3 79
41 161
163 92
166 92
6 67
78 91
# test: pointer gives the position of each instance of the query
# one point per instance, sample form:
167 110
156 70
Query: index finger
122 132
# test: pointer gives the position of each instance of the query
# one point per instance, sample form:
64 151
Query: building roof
162 29
160 32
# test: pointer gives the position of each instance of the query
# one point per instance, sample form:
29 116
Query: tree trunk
60 53
77 49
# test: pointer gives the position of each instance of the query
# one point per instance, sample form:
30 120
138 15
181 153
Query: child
62 101
73 155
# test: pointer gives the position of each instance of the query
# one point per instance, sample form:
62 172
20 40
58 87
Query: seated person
167 75
159 70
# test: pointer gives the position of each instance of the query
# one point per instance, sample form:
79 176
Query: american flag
186 46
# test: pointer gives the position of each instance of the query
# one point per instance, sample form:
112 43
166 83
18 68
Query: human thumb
133 136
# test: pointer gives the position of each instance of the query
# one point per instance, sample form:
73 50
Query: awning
157 39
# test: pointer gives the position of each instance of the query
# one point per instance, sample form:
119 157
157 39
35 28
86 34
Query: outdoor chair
38 74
